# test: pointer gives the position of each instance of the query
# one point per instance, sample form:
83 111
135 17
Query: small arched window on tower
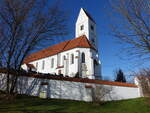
93 40
81 27
83 57
92 28
72 59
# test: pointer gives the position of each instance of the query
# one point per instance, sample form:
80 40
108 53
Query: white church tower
85 25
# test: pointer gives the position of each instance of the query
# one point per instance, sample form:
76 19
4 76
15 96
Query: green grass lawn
25 104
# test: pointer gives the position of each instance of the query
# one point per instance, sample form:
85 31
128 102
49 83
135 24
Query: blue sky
109 49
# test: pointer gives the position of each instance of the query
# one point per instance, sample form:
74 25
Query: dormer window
92 27
81 27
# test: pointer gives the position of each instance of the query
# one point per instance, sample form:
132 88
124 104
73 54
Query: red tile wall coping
83 80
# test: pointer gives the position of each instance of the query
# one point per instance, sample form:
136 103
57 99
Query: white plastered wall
62 89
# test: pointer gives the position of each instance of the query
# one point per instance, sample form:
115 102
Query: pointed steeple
88 15
86 25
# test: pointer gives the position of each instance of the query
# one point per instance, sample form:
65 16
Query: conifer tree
120 77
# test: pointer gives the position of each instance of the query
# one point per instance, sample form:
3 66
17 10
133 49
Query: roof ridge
89 42
76 39
66 45
68 41
81 39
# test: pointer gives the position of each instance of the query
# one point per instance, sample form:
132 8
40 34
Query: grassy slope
24 104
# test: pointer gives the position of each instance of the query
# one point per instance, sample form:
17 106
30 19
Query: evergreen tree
120 77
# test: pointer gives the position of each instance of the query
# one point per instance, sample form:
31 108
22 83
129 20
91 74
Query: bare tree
143 77
131 25
24 26
101 93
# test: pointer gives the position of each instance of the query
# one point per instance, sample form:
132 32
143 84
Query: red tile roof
81 42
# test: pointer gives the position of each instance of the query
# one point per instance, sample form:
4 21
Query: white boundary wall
62 89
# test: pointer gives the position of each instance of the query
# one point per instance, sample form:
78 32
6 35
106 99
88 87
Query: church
71 58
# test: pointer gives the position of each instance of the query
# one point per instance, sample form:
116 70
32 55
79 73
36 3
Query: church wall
47 66
69 68
63 89
72 69
88 61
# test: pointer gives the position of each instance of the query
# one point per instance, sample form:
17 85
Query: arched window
83 58
81 27
64 58
72 59
43 64
92 27
52 63
36 65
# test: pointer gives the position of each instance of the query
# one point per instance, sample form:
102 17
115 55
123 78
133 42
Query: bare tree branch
24 26
133 29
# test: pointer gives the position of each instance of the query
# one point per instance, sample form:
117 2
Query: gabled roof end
88 15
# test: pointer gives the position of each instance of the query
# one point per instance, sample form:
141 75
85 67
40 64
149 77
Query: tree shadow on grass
27 104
